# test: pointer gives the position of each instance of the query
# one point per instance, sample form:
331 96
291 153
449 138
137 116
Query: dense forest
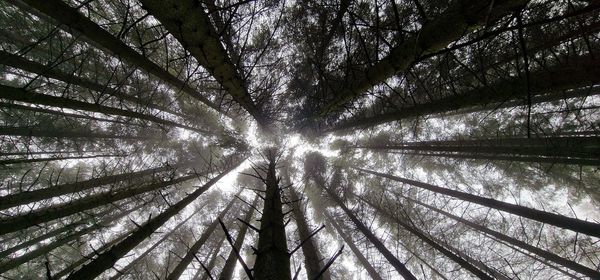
300 139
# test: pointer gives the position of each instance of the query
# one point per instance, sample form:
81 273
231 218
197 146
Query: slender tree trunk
79 24
359 256
227 272
31 160
211 263
203 42
273 259
191 253
460 17
516 158
66 133
50 213
395 262
125 269
107 259
312 257
482 274
55 73
571 73
22 95
44 249
25 197
561 221
515 242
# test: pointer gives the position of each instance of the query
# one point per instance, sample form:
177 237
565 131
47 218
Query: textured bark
191 253
201 39
393 260
571 73
593 274
459 18
30 160
228 268
561 221
77 23
107 259
568 149
22 95
312 257
359 256
480 273
130 265
55 73
25 197
272 260
50 213
44 249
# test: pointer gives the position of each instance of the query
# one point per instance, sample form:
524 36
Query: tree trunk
107 259
228 269
538 159
395 262
25 197
78 24
571 73
54 73
44 249
312 257
203 42
50 213
515 242
459 18
359 256
66 133
22 95
273 259
30 160
561 221
424 237
191 253
211 263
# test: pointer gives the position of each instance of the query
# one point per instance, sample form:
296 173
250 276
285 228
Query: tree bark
25 197
228 268
212 262
359 256
107 259
79 24
577 225
31 160
65 133
191 253
202 41
273 259
312 257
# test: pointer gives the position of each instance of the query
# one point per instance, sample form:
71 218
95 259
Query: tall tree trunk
515 242
395 262
25 197
22 95
571 73
203 42
348 240
67 133
273 259
130 265
50 213
211 263
482 274
191 253
227 272
312 257
44 249
30 160
107 259
79 24
55 73
561 221
450 25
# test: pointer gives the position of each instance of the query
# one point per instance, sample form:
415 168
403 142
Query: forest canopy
299 139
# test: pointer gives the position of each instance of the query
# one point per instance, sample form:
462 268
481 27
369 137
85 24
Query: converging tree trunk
227 272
